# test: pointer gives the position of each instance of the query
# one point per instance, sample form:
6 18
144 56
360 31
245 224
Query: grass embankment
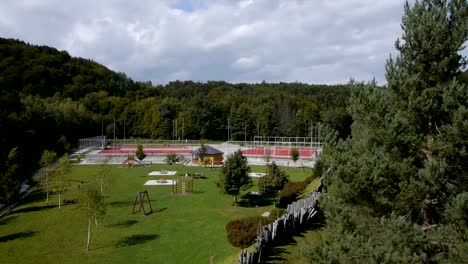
182 229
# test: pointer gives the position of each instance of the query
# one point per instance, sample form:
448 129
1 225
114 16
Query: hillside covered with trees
50 100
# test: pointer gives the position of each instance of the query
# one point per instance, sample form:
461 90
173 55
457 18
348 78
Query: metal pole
114 129
229 127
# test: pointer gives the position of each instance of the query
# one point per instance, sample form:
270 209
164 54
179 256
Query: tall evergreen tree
396 183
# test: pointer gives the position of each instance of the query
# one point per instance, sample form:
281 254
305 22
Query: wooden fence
298 213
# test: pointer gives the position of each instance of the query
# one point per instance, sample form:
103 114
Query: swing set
141 199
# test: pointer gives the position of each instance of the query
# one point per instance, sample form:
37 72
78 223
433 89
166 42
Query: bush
243 232
292 190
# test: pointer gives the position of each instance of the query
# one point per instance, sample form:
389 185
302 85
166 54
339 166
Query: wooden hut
208 156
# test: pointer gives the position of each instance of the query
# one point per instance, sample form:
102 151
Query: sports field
182 229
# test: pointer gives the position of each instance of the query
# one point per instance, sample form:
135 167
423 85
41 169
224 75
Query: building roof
208 151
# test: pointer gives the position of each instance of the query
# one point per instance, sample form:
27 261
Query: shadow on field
254 200
127 223
18 235
34 196
7 219
135 240
121 203
276 252
33 209
158 210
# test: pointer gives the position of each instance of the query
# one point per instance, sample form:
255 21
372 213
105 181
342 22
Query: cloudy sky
312 41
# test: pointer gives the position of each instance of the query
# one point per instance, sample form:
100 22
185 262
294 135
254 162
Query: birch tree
103 175
60 183
47 159
91 205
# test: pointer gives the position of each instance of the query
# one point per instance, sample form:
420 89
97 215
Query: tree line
50 100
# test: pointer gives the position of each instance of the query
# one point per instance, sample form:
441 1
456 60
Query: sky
308 41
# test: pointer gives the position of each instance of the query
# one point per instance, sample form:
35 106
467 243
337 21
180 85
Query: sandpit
162 173
160 182
256 174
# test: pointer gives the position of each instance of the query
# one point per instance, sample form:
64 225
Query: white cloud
246 62
237 41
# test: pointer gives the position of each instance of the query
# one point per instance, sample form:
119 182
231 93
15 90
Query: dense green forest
50 100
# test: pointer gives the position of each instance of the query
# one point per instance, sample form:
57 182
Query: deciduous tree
91 205
47 159
60 172
274 181
234 175
140 153
10 183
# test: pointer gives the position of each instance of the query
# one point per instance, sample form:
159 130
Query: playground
176 227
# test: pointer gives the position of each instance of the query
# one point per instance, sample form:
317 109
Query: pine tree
396 183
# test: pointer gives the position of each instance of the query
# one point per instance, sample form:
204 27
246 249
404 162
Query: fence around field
298 214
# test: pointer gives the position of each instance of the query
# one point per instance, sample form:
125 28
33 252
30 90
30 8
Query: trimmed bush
242 232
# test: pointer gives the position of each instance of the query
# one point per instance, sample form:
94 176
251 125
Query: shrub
292 190
243 232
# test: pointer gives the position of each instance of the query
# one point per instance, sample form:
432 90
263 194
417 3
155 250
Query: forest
50 100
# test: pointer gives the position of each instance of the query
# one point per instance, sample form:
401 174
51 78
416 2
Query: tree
140 153
172 158
10 183
267 156
294 154
47 159
91 205
60 172
103 174
274 181
399 177
201 155
234 175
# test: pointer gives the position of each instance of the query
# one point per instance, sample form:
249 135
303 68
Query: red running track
277 152
148 151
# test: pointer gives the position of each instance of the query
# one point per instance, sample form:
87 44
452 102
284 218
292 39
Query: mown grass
182 229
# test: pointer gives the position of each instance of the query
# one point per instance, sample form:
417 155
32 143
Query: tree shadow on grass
135 240
121 203
127 223
32 209
254 200
34 196
7 219
18 235
158 210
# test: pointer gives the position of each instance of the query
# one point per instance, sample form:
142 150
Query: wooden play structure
141 199
130 162
183 186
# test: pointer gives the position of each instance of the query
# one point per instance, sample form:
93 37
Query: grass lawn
182 229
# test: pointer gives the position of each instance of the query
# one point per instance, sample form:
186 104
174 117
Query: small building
209 156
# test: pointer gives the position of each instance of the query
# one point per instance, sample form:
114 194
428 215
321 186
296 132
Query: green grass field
182 229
